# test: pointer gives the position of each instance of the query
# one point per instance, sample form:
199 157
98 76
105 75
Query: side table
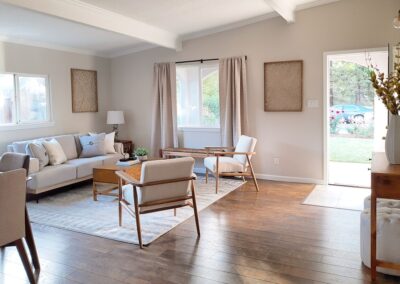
127 144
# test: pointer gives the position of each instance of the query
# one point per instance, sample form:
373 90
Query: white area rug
341 197
75 210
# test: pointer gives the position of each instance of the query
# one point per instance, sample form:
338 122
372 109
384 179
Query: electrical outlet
276 161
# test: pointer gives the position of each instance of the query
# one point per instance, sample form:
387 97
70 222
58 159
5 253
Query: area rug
75 210
341 197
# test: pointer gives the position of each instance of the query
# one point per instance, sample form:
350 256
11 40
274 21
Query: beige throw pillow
37 150
108 142
55 152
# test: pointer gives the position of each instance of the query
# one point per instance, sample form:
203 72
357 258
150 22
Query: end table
127 144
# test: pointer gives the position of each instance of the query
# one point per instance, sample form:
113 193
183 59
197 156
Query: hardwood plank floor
247 237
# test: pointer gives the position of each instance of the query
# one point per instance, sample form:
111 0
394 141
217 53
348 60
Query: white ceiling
108 28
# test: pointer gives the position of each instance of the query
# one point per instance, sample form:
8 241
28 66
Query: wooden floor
247 237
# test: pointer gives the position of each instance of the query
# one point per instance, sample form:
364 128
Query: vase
392 141
142 158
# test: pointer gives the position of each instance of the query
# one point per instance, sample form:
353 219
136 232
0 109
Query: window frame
18 123
201 128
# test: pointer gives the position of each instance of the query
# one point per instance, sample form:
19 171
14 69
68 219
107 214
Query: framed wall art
283 86
84 90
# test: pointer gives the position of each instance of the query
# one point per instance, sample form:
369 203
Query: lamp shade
115 117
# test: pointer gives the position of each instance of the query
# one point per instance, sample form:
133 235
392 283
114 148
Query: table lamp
115 117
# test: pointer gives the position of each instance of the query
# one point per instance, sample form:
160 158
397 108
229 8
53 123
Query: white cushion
389 203
388 236
226 164
55 152
50 176
127 193
245 144
108 142
84 166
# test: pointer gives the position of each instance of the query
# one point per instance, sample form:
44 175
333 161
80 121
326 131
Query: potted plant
141 153
388 91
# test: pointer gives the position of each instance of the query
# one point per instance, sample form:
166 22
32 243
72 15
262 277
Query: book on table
127 163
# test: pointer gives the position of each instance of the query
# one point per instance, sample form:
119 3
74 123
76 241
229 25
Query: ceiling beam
284 8
81 12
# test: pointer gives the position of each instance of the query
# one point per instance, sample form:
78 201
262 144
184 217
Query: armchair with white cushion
163 185
236 163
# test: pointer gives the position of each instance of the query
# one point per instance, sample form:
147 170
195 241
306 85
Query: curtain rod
200 60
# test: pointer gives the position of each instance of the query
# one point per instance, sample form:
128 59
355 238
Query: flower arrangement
388 89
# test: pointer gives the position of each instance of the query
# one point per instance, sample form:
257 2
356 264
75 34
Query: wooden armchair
232 163
14 227
163 185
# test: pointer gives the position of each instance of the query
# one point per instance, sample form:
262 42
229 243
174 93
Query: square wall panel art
283 86
84 90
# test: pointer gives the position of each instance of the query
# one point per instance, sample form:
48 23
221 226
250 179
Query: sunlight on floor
351 174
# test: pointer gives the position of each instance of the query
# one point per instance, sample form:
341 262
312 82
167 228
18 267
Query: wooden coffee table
106 175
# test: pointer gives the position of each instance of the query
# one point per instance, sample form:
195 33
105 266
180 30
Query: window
197 88
24 99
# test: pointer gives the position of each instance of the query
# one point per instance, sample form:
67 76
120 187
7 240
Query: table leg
373 236
94 191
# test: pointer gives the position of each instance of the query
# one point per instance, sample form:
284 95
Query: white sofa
74 170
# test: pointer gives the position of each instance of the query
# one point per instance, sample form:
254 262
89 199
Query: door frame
326 101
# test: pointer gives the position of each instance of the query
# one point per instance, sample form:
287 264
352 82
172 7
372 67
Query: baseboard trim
290 179
202 170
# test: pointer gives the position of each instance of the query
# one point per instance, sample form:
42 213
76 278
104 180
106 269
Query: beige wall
56 64
295 138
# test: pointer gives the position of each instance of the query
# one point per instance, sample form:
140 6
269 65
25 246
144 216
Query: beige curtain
233 99
164 131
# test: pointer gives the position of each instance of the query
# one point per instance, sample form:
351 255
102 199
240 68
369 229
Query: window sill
12 127
198 129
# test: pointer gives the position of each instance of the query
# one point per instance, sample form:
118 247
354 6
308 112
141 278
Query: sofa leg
37 200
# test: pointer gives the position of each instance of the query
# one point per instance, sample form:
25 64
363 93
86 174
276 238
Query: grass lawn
351 150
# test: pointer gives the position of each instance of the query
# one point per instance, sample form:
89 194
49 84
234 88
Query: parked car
351 113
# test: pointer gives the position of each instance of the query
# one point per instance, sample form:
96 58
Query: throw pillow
109 142
55 152
93 145
37 150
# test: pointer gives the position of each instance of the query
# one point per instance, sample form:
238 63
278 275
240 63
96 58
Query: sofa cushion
93 145
84 166
226 164
37 150
108 142
55 152
68 144
20 146
52 175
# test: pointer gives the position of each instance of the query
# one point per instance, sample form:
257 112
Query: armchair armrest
219 148
119 148
233 153
127 178
33 165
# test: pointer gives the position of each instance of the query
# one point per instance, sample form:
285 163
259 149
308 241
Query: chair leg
217 176
174 211
119 202
31 242
137 216
25 260
252 173
206 175
243 178
196 216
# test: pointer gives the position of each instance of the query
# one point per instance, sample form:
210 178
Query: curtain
164 131
233 99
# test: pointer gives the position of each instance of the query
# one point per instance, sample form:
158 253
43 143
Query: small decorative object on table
141 153
388 91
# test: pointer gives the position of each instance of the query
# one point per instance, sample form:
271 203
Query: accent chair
236 163
164 184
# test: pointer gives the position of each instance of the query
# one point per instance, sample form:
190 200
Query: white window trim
29 125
